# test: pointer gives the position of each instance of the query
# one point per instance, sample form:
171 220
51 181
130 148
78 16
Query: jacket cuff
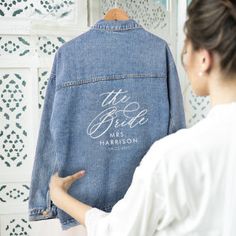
40 213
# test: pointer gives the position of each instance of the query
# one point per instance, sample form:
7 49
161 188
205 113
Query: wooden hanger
116 14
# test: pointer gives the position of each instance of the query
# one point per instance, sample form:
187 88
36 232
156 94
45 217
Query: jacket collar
116 25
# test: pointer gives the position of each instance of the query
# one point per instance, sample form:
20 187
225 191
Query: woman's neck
222 90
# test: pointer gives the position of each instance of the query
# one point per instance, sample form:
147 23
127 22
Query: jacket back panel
111 94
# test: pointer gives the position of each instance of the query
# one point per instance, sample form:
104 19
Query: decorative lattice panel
30 34
48 45
43 77
196 108
150 13
15 225
13 108
37 9
13 193
14 45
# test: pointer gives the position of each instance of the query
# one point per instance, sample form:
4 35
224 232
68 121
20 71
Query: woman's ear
205 61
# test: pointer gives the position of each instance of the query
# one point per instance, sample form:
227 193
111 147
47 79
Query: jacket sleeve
40 205
176 108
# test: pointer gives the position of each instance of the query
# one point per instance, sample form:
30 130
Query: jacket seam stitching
52 76
73 83
117 29
172 124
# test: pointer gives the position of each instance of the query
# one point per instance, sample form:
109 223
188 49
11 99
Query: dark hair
211 25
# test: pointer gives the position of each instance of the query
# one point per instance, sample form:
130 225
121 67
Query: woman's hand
58 188
60 185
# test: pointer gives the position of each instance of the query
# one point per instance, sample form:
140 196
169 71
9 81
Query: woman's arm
58 193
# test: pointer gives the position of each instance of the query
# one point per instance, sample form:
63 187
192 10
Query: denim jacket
112 92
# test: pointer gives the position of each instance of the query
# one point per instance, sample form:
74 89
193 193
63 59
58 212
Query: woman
184 184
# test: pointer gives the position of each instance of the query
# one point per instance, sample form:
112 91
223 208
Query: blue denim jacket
112 92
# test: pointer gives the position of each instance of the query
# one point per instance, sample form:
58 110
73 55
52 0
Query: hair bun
231 7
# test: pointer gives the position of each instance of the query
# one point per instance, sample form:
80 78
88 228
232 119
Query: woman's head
210 44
